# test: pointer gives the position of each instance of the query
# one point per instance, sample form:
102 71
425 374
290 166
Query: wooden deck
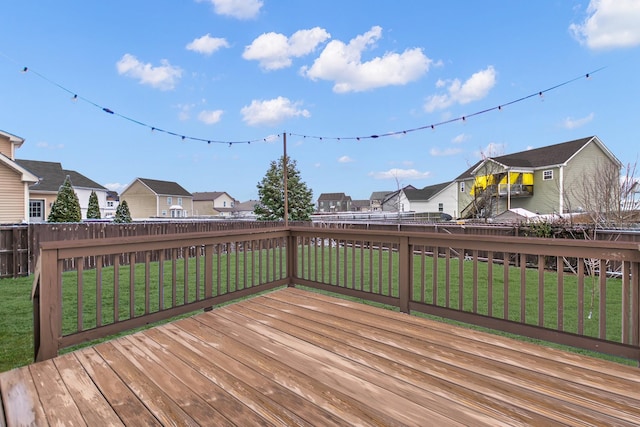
293 357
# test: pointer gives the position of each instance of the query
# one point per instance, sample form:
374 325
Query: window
224 203
109 203
164 213
440 207
462 187
547 175
35 209
169 200
180 201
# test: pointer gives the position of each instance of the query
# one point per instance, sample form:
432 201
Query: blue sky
322 71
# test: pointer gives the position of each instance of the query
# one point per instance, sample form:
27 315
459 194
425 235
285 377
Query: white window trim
547 175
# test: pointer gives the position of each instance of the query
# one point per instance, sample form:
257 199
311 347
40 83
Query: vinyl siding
6 147
141 201
12 197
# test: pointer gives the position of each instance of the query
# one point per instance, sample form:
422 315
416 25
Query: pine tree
93 212
271 193
66 207
122 213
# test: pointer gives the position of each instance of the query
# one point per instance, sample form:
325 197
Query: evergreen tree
66 207
122 213
93 212
271 193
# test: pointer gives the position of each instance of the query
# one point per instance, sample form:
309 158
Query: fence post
48 306
404 277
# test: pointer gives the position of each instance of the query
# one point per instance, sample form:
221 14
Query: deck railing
577 293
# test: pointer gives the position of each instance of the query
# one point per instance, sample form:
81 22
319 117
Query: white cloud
342 64
446 152
400 174
345 159
571 123
185 111
474 89
609 24
207 44
48 146
163 77
459 139
274 50
271 112
116 186
493 149
210 117
240 9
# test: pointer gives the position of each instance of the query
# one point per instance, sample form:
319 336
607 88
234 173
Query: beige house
14 182
152 198
553 179
213 203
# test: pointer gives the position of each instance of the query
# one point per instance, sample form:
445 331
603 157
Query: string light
464 118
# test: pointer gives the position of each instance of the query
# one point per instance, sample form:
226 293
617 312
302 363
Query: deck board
293 357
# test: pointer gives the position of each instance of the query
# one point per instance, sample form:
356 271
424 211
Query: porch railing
576 293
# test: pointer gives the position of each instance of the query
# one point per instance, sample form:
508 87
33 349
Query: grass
16 321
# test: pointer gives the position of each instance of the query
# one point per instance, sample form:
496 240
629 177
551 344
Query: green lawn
16 324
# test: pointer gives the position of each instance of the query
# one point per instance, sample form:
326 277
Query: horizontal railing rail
140 280
583 294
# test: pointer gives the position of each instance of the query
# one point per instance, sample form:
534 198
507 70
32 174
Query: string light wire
432 126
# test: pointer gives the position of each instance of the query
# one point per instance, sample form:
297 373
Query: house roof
249 205
52 176
425 193
551 155
167 188
333 196
364 203
379 195
18 141
26 175
205 196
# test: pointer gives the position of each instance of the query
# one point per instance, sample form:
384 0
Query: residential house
438 198
376 199
152 198
544 180
14 182
391 201
213 203
363 205
245 209
334 202
51 176
113 201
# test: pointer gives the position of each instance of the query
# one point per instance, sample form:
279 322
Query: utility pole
285 172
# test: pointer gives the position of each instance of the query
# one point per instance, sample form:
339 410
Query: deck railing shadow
576 293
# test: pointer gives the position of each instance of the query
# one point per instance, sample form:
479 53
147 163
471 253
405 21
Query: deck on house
293 357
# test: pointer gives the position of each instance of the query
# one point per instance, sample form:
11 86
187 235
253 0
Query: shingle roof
425 193
550 155
167 188
379 195
360 203
205 196
333 196
52 176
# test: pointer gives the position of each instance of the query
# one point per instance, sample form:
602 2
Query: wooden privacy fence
563 291
19 243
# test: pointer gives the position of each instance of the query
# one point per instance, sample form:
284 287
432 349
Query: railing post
48 306
292 252
404 276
